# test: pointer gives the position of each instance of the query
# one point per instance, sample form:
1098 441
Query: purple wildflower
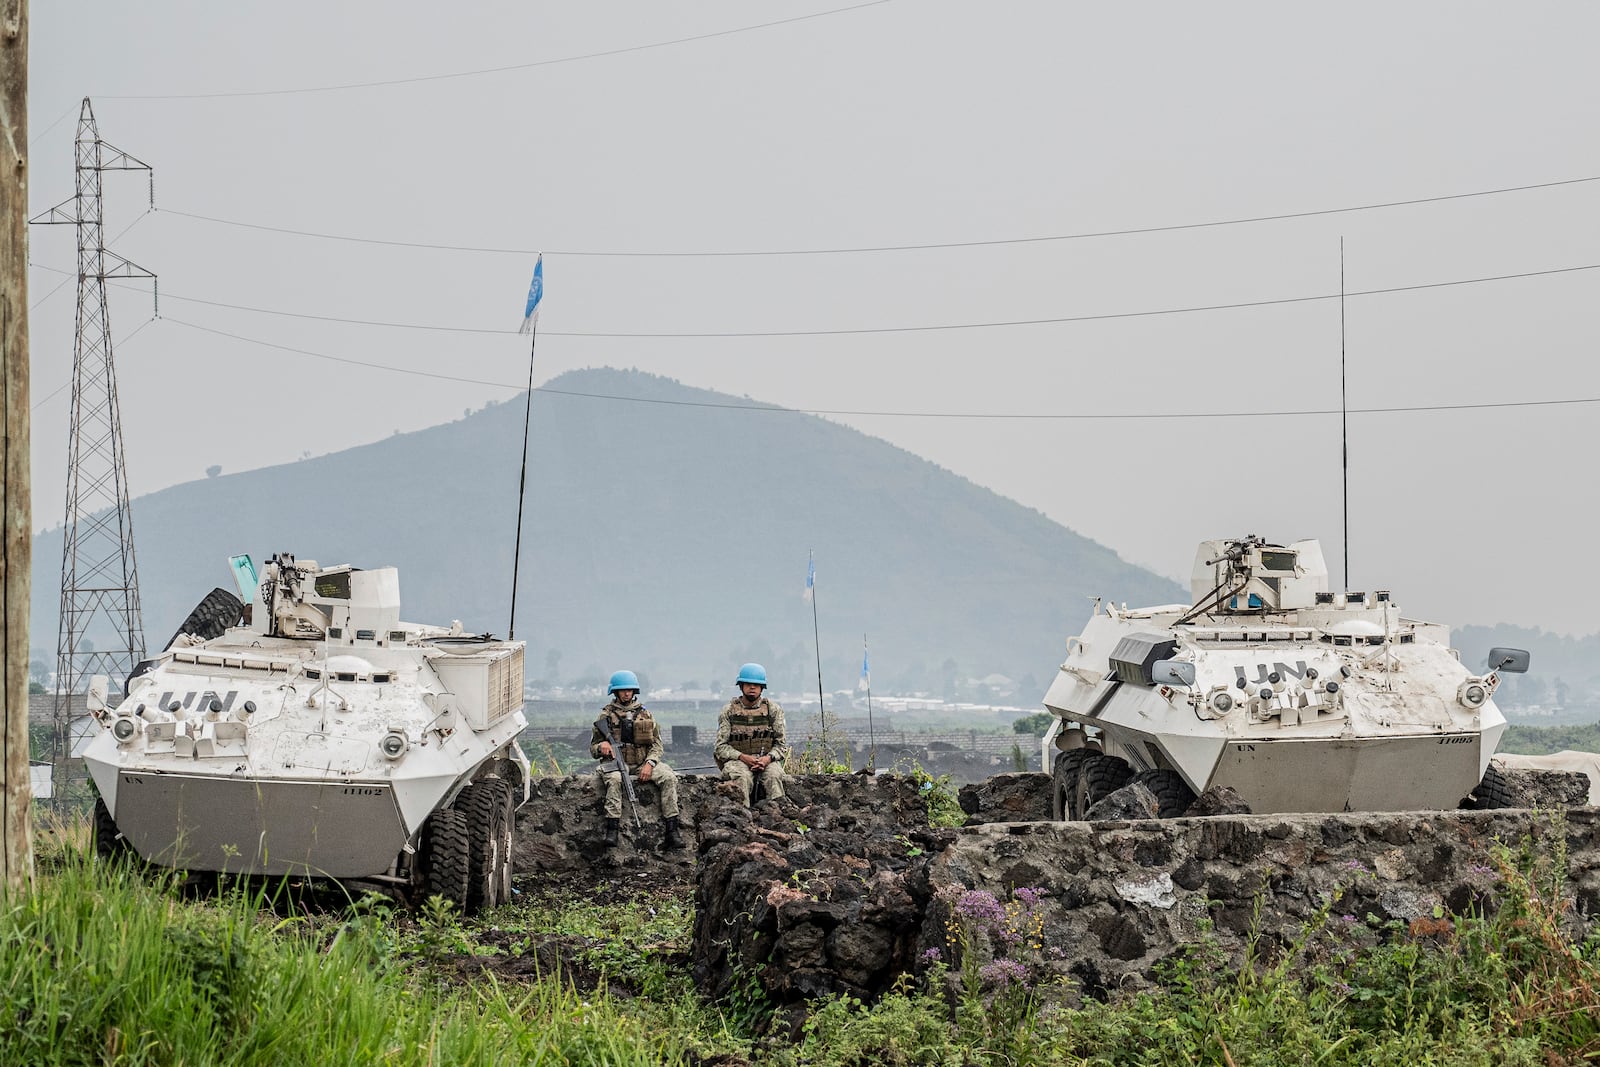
980 906
931 955
1478 868
1029 895
1357 865
1002 972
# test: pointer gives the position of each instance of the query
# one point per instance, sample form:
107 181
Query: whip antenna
1344 422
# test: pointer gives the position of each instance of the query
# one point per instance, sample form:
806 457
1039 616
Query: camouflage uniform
629 722
752 730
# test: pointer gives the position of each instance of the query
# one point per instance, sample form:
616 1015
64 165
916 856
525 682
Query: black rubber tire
1172 793
1064 781
1493 792
447 852
108 840
211 617
508 845
1099 775
487 804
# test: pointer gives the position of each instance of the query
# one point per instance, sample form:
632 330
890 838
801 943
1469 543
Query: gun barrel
604 726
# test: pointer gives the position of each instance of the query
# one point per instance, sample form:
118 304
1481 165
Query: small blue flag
866 671
530 314
811 578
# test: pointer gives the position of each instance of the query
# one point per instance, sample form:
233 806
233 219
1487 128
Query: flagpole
522 487
872 736
530 325
822 710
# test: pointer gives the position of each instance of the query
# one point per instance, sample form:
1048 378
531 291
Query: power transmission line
500 70
99 572
844 250
1006 416
932 328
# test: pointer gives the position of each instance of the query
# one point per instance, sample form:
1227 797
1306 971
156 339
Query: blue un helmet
623 680
752 672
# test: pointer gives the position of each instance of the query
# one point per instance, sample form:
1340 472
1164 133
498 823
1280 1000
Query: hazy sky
902 122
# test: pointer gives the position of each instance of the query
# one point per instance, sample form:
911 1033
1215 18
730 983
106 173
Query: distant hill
660 535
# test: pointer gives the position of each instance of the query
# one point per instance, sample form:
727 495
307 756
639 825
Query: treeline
1543 740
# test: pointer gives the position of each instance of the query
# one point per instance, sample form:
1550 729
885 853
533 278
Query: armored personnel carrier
305 730
1301 699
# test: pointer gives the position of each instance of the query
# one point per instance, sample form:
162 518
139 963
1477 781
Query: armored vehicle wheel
1493 792
1099 775
1063 781
1172 793
447 852
108 840
487 805
212 616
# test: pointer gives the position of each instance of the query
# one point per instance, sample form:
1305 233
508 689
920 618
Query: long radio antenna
1344 421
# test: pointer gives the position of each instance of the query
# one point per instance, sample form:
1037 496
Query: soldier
750 740
636 733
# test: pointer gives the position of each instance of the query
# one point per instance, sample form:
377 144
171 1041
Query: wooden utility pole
16 539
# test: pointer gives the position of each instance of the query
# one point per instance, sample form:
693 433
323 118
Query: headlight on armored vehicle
125 729
1221 701
1473 693
394 744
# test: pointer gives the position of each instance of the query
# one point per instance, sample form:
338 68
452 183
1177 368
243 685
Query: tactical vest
635 733
750 729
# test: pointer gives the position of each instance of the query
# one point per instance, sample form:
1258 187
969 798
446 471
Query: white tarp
39 774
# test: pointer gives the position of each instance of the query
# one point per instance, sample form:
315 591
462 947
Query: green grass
103 964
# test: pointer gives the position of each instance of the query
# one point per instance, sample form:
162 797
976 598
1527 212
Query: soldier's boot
674 838
613 830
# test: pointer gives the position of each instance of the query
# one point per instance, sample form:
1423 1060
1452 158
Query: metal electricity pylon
99 579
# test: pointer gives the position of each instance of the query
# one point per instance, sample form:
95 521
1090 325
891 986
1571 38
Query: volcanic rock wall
1101 905
843 887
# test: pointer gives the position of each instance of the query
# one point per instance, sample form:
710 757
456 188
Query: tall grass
100 963
104 964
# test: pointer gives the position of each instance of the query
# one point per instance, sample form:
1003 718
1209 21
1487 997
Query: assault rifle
603 724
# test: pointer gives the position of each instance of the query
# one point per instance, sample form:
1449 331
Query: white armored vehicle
1301 699
305 730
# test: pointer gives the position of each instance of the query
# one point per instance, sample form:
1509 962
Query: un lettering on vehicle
1283 670
200 699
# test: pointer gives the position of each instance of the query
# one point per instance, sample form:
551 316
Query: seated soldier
750 737
634 729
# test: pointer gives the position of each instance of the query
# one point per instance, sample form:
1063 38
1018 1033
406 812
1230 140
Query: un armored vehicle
303 729
1300 698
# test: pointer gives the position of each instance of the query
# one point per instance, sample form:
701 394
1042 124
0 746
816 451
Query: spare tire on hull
211 617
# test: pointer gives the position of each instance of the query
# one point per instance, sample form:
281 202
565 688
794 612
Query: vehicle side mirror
1173 672
1508 660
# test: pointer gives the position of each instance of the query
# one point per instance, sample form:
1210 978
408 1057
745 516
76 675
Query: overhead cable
496 70
843 250
994 324
839 412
